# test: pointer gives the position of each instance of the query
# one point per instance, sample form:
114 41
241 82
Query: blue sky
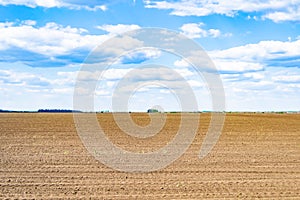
255 45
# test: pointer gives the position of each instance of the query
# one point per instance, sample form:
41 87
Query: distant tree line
57 111
12 111
5 110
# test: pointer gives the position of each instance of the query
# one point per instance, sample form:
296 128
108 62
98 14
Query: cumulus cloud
289 14
71 4
140 55
61 45
24 79
50 40
156 73
276 10
236 66
195 30
181 63
254 57
267 68
19 86
118 28
54 45
133 75
267 71
131 50
287 78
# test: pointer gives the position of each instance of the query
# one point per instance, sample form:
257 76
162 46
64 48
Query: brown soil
258 155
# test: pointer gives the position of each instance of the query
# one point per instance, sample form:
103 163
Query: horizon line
172 111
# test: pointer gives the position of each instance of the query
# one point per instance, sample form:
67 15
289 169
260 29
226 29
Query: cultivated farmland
257 155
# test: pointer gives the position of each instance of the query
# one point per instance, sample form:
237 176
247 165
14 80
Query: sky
254 45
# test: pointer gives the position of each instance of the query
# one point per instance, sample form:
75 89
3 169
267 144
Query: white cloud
139 55
276 10
118 28
123 50
287 78
181 63
214 33
109 75
264 76
254 75
195 30
256 69
29 22
290 14
257 86
195 83
151 52
260 52
20 86
50 40
186 73
112 74
102 93
9 77
235 66
267 90
143 74
32 3
56 40
54 4
53 40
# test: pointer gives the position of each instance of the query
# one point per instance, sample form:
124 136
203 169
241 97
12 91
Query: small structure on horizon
152 111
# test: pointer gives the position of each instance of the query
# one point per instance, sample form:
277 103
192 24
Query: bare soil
257 156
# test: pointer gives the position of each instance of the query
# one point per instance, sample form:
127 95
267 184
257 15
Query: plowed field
257 155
